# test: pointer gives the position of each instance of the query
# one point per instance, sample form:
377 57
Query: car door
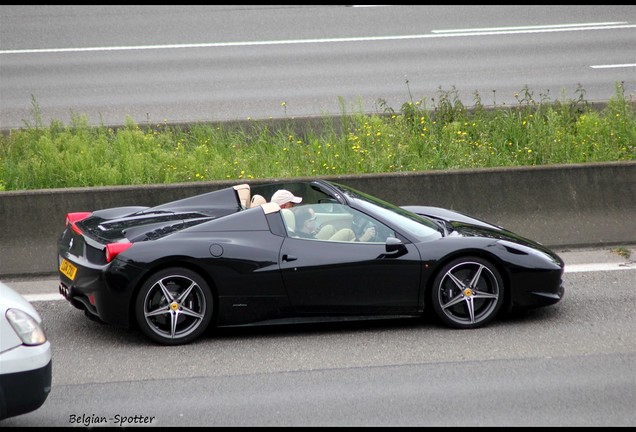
336 277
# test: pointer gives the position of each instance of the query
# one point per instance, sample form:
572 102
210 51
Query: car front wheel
467 293
174 306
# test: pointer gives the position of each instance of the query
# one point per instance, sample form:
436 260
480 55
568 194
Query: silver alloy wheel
175 307
468 294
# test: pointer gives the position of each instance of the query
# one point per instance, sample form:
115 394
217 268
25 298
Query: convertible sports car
222 259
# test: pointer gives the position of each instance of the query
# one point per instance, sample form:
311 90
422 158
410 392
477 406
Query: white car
25 356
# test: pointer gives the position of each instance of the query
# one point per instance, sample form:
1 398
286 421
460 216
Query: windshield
403 221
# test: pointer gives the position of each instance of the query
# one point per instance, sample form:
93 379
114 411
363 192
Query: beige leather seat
243 191
257 200
290 220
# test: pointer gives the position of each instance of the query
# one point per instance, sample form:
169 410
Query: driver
306 228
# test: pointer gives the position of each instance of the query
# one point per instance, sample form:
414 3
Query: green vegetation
622 251
418 137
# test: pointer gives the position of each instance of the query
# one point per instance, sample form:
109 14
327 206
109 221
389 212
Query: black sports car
221 259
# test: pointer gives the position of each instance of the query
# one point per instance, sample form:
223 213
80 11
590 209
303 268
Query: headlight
26 327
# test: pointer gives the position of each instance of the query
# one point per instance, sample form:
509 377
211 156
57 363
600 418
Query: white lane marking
580 268
625 65
436 34
569 268
43 297
538 27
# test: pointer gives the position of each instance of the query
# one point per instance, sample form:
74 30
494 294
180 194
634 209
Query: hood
456 223
451 216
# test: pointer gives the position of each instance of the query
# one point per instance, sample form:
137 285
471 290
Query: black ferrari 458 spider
229 258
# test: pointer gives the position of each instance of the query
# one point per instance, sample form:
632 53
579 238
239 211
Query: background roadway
185 63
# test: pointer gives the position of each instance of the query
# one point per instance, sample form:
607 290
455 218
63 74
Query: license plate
68 269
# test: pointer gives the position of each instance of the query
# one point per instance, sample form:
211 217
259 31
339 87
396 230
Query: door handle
289 258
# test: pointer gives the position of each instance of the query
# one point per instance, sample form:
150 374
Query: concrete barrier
559 206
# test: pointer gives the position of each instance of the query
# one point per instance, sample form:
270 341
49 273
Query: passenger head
285 199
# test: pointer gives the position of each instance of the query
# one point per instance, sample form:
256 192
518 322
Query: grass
417 137
622 251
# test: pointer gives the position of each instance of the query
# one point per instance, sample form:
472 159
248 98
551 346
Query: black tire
467 293
174 306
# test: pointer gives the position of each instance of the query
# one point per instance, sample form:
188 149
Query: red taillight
72 218
114 249
76 217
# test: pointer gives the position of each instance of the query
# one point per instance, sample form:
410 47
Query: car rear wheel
174 306
467 293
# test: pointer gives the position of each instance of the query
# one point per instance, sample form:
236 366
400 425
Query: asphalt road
566 365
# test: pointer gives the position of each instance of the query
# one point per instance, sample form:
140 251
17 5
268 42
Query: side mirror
395 246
